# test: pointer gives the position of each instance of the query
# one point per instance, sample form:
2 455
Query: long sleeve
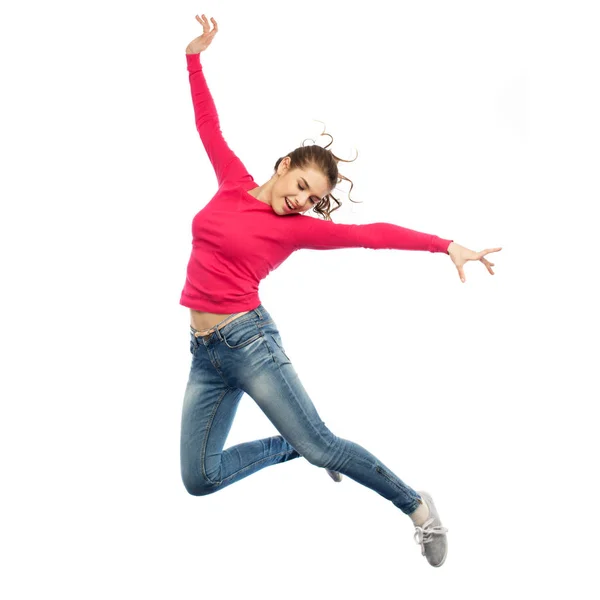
227 166
316 234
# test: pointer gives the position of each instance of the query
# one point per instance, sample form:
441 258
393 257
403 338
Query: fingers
484 252
205 25
488 264
475 256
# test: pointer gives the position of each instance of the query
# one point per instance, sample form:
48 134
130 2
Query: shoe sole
337 477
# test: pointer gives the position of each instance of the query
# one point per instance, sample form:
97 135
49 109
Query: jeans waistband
259 312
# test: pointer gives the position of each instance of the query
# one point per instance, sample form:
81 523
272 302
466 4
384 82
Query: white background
477 121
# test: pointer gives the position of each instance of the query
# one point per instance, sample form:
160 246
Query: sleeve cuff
439 244
193 62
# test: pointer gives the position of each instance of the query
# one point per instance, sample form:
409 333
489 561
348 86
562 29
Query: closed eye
312 199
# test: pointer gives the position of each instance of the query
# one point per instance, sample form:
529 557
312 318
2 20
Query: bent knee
197 486
319 455
316 459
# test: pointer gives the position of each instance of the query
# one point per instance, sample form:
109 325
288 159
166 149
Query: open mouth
288 204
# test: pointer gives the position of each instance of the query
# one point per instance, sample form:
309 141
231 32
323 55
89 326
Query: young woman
242 234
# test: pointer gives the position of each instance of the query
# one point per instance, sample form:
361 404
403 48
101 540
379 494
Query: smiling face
302 188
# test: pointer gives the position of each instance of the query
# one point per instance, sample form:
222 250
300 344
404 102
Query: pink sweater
237 240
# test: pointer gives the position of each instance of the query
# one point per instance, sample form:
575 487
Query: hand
203 41
460 255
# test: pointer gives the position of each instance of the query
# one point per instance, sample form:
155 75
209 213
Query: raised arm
227 166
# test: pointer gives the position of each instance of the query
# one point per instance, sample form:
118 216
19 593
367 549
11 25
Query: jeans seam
291 390
280 347
256 462
206 435
383 472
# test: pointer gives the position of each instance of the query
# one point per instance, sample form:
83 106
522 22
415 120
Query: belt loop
258 312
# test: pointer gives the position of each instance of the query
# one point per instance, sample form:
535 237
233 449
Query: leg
267 375
209 407
248 355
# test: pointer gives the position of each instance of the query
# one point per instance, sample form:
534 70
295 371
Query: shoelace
424 535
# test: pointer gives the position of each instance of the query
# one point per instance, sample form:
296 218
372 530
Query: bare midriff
205 322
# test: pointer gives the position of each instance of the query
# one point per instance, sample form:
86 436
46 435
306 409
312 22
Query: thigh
209 407
278 391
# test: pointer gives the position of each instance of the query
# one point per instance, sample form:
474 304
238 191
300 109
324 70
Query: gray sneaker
337 477
431 535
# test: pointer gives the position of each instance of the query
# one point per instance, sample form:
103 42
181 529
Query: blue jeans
247 355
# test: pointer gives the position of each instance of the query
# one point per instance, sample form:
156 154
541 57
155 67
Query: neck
264 192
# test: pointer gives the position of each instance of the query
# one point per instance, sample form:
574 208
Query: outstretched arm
226 164
316 234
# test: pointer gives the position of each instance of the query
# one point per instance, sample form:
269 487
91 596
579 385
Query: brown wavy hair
319 157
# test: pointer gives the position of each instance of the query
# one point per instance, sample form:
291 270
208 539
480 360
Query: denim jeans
247 355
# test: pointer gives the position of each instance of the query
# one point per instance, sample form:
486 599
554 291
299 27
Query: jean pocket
241 335
277 339
194 345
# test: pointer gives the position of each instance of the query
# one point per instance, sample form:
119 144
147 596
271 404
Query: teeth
288 204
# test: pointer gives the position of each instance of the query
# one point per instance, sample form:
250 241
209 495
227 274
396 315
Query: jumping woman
242 234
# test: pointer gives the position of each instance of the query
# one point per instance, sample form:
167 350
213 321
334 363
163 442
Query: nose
302 199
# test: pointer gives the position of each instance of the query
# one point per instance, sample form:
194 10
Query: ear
284 165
